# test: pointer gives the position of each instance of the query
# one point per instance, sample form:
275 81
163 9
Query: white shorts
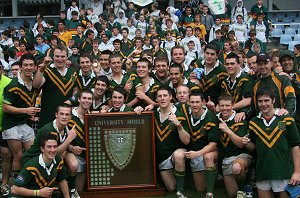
275 185
228 162
22 132
81 164
166 164
197 164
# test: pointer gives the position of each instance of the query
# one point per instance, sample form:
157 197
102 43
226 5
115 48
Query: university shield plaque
120 151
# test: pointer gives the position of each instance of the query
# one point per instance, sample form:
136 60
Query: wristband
34 193
38 193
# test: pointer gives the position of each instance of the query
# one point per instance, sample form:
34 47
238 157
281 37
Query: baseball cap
263 57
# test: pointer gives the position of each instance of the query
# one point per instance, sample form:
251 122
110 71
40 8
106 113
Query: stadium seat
285 39
276 32
295 26
297 38
290 31
292 44
291 14
287 20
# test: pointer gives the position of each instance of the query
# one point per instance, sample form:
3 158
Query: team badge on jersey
281 125
214 78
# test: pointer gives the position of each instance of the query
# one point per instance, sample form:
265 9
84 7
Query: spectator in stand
39 20
239 9
91 16
207 20
96 5
40 45
240 30
214 28
187 18
262 28
252 40
72 8
259 8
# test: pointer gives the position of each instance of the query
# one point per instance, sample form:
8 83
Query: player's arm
64 188
136 100
16 190
245 102
237 140
39 79
212 146
295 179
7 108
66 144
183 134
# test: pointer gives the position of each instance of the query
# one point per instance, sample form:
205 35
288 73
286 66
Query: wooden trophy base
157 192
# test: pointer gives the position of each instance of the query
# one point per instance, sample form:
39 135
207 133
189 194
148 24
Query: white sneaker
240 194
74 193
209 195
180 195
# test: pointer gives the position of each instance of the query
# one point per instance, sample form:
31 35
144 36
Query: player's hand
140 94
77 150
282 112
223 127
47 192
210 104
128 85
245 139
72 133
173 118
150 107
295 179
191 154
239 117
138 110
31 111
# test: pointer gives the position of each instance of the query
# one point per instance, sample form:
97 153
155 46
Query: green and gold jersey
127 47
227 147
95 55
35 148
167 137
35 174
127 76
18 95
240 88
85 82
56 90
283 89
86 47
274 140
211 81
151 90
79 128
203 130
124 108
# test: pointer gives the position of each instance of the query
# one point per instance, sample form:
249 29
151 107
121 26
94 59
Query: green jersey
4 81
133 78
35 148
79 128
239 89
284 91
203 130
18 95
85 82
167 138
124 108
86 47
227 147
274 140
127 47
36 174
211 81
192 87
61 85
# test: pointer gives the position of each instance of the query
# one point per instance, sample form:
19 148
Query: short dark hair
63 105
225 96
265 91
161 58
114 55
47 136
117 41
121 90
145 60
176 65
165 88
26 57
196 93
102 78
212 46
85 91
176 47
233 55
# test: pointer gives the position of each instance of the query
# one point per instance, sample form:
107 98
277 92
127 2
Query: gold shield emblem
120 145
